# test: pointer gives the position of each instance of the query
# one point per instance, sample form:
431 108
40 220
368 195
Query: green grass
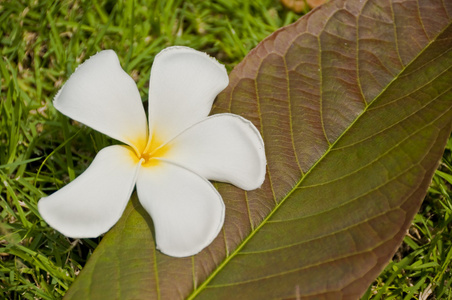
42 42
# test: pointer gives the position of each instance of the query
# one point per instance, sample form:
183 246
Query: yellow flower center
156 149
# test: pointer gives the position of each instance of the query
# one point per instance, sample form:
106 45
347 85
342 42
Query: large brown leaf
354 104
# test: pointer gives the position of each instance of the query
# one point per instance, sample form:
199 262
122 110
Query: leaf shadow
143 213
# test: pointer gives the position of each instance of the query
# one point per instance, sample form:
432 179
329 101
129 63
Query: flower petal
186 209
183 85
101 95
223 147
94 201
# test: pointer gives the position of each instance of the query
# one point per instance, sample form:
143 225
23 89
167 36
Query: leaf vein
396 39
358 78
289 100
368 192
344 229
248 210
258 100
375 160
388 128
298 269
420 20
321 94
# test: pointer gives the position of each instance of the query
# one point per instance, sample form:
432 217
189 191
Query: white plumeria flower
169 160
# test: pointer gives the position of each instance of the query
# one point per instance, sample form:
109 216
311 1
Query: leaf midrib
197 291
